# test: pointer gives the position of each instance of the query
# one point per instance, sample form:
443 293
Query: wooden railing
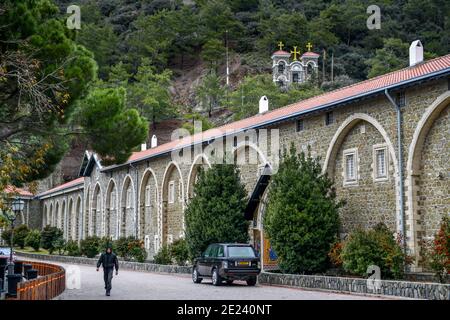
51 282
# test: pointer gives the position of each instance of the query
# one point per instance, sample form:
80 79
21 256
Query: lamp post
17 206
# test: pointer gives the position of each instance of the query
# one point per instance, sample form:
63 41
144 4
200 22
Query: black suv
227 261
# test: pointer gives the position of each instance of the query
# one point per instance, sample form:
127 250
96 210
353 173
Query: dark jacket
108 260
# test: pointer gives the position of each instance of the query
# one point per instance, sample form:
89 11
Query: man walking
109 261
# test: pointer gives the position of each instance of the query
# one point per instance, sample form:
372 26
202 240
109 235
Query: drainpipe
136 216
400 167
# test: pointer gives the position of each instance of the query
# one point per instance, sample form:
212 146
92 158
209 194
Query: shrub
20 233
33 240
122 247
374 247
163 256
215 214
90 246
49 235
179 251
436 253
6 236
106 242
60 245
302 219
73 248
335 254
137 250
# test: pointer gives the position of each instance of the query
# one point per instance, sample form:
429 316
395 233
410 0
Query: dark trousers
107 276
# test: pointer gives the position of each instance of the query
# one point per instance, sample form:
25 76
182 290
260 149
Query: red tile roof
281 52
325 99
310 54
19 191
63 186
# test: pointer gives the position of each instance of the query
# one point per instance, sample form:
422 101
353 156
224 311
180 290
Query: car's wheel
216 279
251 281
195 276
229 282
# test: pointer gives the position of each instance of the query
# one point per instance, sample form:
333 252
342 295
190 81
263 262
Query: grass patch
31 250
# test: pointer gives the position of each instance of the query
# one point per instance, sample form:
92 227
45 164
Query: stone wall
406 289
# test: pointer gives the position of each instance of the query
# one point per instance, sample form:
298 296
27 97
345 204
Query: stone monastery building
385 141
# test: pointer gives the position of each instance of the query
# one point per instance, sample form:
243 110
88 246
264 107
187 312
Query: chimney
263 104
154 142
415 53
143 146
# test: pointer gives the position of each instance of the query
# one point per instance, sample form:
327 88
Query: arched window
128 200
281 67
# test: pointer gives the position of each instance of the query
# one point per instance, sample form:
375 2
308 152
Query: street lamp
17 206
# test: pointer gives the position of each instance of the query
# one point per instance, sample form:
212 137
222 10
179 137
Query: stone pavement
153 286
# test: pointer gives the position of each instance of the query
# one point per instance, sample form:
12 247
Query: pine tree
216 213
302 219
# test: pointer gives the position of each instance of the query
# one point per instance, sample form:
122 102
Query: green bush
163 256
215 213
6 236
137 250
122 247
179 251
49 237
374 247
20 233
60 245
33 240
90 246
73 248
302 219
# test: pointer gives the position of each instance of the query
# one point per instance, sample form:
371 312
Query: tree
44 77
20 234
49 237
150 93
33 239
302 218
210 93
393 56
113 130
216 212
213 53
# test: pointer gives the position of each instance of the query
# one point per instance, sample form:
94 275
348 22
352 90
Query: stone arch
96 211
111 220
50 216
57 215
148 211
251 161
127 204
86 212
199 161
45 216
171 227
63 218
78 219
367 186
417 180
70 218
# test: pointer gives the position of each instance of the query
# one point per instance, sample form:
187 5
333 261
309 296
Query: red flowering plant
440 255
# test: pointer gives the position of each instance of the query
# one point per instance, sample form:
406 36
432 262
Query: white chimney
263 104
415 53
154 142
143 146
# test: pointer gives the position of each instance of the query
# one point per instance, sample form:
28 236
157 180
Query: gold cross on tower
295 53
281 45
309 46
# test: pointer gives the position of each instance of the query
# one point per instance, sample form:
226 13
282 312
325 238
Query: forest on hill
151 46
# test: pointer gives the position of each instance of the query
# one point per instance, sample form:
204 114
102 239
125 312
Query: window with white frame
380 162
147 196
350 166
112 203
171 192
128 200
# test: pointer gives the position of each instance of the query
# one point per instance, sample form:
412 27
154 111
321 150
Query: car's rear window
241 252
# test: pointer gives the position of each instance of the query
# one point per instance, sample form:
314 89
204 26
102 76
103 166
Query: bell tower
280 66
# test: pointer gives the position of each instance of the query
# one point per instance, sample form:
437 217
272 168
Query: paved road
153 286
